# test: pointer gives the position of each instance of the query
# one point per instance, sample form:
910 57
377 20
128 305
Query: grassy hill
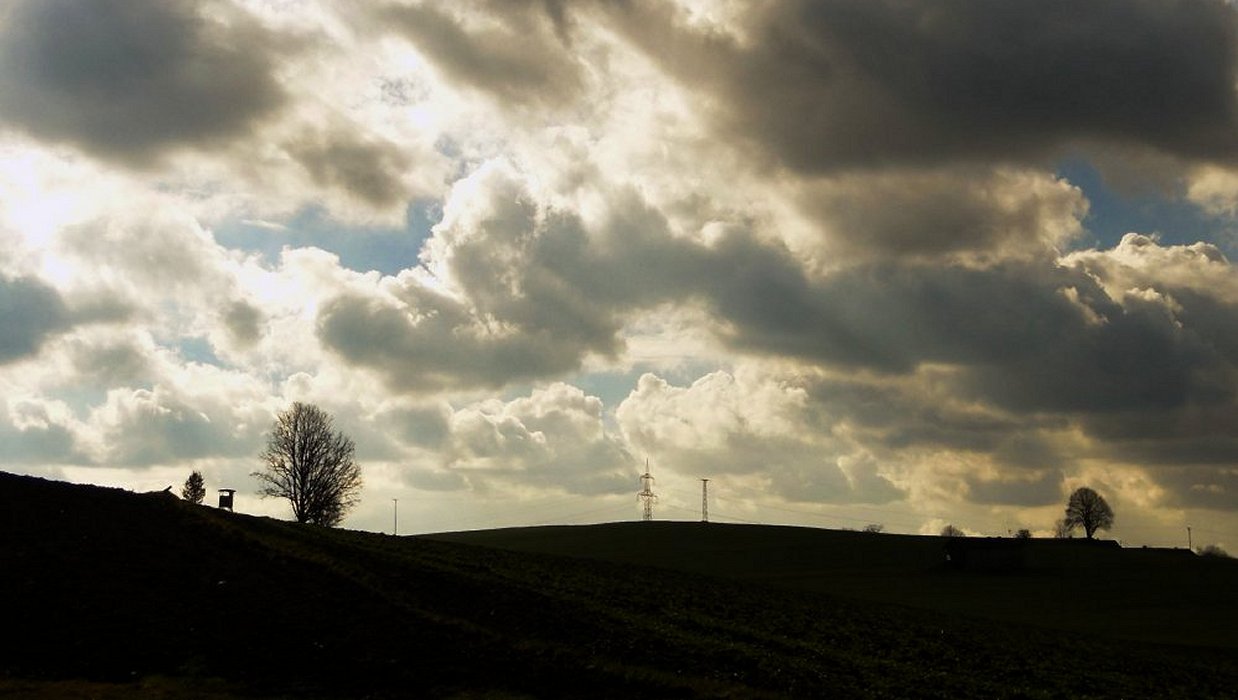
1095 588
109 594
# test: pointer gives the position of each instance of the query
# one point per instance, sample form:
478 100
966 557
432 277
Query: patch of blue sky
197 349
83 398
450 148
388 250
1113 213
612 387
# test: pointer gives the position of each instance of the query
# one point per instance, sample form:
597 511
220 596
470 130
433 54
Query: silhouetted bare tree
311 464
1088 509
1023 534
951 531
194 489
1063 530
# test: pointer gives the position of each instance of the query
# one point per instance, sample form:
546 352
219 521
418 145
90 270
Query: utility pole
704 500
1189 544
395 516
646 495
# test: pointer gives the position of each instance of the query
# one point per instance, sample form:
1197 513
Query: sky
854 261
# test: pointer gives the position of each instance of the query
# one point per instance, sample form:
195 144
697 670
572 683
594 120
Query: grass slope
1076 586
104 593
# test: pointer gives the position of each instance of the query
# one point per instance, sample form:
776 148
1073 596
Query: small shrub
952 531
1023 534
874 528
1213 550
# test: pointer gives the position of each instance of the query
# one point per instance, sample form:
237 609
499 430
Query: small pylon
704 500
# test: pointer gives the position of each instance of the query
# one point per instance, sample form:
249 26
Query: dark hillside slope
1151 595
107 585
109 594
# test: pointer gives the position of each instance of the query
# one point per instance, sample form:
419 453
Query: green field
109 594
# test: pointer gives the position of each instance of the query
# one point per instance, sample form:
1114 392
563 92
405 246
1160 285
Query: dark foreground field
1097 588
108 594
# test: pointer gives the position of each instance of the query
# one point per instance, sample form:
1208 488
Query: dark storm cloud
41 440
443 346
422 426
1214 487
1036 348
150 427
921 213
1040 490
829 84
1189 450
889 317
30 313
101 306
522 60
157 251
108 365
1139 361
43 445
801 478
1027 349
128 80
898 416
1015 342
244 323
1030 450
541 294
1030 337
1150 376
1201 432
369 170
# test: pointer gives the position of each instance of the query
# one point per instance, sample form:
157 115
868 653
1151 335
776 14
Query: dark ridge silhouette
110 594
1093 587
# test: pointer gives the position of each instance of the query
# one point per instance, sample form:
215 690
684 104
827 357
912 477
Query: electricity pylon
646 495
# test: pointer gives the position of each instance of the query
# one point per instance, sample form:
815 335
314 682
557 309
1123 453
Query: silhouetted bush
1023 534
1213 550
951 531
194 489
874 528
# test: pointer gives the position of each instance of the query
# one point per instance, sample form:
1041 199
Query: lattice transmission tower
646 495
704 500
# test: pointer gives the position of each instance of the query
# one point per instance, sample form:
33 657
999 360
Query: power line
738 520
817 514
594 511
